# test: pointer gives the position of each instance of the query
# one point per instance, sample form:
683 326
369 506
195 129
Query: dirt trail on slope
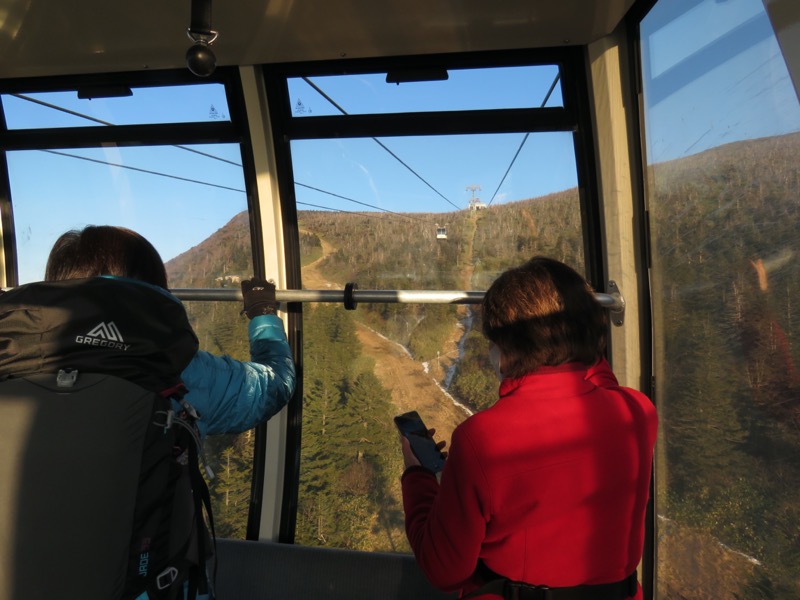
312 278
467 254
450 351
411 387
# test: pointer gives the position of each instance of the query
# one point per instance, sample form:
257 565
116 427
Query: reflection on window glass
434 213
463 89
176 104
722 139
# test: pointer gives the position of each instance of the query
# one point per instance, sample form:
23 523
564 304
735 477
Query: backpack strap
188 565
202 501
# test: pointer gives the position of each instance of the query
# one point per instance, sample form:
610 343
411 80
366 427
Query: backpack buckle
66 378
166 578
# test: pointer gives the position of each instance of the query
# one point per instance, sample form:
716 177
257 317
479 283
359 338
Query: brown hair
105 250
543 313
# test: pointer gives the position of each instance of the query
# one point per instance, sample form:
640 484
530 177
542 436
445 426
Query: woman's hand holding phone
409 458
418 445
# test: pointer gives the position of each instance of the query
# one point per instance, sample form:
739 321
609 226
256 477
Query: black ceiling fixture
399 76
199 57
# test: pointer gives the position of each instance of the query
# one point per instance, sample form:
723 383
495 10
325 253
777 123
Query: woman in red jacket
548 487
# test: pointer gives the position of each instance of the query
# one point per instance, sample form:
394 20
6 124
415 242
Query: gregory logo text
105 335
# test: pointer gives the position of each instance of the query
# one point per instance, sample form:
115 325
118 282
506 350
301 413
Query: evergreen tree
348 443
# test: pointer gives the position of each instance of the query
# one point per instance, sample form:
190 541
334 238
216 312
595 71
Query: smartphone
422 445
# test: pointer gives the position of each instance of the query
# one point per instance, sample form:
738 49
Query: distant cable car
441 233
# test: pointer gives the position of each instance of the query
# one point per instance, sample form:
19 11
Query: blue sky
178 198
432 173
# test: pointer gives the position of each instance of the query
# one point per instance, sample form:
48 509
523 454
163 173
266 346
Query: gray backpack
101 493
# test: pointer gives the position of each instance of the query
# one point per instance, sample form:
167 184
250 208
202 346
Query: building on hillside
476 204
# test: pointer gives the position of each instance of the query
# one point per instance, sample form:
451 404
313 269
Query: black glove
259 297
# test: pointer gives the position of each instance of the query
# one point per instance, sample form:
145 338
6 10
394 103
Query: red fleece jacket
548 486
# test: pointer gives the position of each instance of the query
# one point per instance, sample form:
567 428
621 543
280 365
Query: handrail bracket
617 311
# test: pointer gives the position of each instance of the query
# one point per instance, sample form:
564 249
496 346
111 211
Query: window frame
574 117
233 131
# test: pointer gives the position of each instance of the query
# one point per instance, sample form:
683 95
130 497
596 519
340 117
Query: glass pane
464 89
453 223
401 191
190 203
722 136
177 104
175 196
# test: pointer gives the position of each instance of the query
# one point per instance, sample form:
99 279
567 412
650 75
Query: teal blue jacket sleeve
232 396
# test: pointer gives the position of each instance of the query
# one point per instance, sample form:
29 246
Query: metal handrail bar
613 302
351 296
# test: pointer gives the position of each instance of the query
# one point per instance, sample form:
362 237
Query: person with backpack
231 396
104 401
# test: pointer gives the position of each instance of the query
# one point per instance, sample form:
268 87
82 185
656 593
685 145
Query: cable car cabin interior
650 144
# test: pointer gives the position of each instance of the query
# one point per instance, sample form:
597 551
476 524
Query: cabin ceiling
55 37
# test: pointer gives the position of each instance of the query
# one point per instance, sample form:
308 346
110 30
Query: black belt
516 590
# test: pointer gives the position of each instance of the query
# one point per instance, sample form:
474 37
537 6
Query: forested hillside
394 252
729 398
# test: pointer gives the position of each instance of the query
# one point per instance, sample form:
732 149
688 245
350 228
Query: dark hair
543 313
105 250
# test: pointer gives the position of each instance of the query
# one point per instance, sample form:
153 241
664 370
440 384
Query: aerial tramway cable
381 144
193 150
525 138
